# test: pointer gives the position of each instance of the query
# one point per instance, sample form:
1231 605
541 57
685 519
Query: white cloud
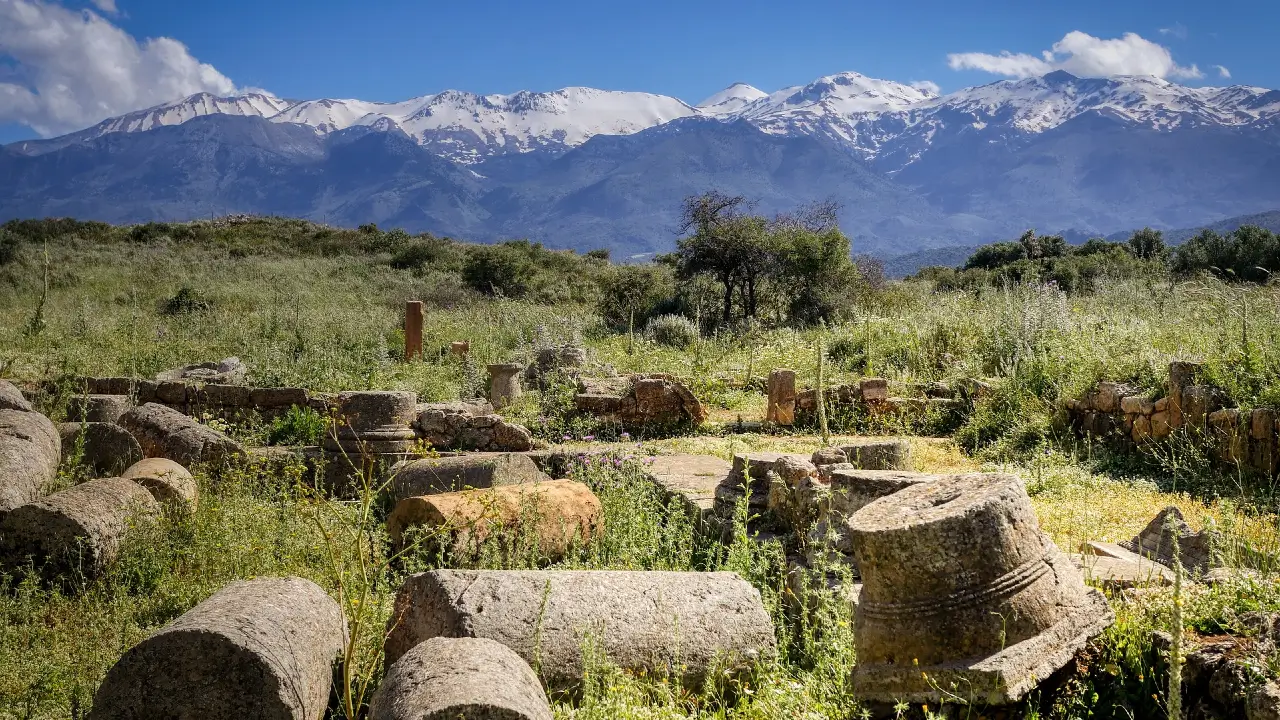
927 86
106 6
1082 54
1223 72
71 69
1177 30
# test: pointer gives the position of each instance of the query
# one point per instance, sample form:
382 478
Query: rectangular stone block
1262 424
236 396
146 390
108 385
874 389
171 392
782 397
1137 404
278 397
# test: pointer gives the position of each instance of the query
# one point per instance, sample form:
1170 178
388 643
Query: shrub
9 246
675 331
186 302
298 426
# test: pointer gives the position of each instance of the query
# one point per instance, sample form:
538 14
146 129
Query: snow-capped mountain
731 99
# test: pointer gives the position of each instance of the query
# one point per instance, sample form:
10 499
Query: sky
67 64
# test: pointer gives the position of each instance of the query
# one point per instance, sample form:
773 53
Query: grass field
332 322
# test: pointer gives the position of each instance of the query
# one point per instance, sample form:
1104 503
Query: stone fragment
829 456
683 623
1156 542
430 476
781 408
1142 430
874 390
449 678
695 479
105 448
106 385
1160 425
97 408
164 432
1136 404
961 589
262 648
879 454
1198 401
76 533
167 481
504 384
11 398
228 396
853 488
1230 438
1106 397
30 449
557 515
1122 573
278 397
228 371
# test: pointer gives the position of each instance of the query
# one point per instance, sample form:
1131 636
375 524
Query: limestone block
874 390
11 398
262 648
781 407
684 623
879 454
430 476
164 432
97 408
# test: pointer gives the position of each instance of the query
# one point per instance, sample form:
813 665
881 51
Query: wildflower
625 436
588 438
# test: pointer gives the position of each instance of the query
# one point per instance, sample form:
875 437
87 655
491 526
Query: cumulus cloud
106 6
927 86
1082 54
70 69
1223 72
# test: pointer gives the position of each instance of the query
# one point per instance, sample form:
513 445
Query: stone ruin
1116 412
637 401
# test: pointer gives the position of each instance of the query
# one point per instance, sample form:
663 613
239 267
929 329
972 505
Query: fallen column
74 532
30 449
167 433
166 480
961 590
448 678
254 649
556 514
430 476
682 623
105 448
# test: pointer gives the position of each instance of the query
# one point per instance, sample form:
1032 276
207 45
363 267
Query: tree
1147 243
1039 247
631 294
720 235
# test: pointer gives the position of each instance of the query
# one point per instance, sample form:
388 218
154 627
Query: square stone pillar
413 316
782 397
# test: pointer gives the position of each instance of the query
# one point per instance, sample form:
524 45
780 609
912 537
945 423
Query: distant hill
901 266
1268 220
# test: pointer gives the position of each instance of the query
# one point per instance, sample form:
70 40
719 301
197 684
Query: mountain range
586 168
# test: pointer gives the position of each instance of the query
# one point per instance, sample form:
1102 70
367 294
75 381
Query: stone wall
1202 413
874 396
229 402
640 400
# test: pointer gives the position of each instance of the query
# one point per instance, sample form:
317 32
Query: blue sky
395 49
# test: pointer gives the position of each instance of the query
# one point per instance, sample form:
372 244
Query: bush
186 302
675 331
427 253
9 246
298 426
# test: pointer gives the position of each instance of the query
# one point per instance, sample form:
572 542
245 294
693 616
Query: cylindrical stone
782 397
556 515
956 571
684 623
11 398
430 476
30 449
105 448
504 384
262 648
75 533
413 317
97 408
165 432
167 481
375 421
879 454
450 678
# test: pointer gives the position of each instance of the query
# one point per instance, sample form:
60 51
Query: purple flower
588 438
568 437
625 436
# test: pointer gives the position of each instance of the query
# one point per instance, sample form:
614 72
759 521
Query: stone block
76 533
556 515
470 678
255 649
108 385
1141 430
504 384
874 390
431 476
1137 405
30 449
781 407
105 448
1230 437
1119 574
233 396
97 408
278 397
1160 425
375 421
695 479
879 454
1156 542
961 589
1106 397
165 432
171 392
11 398
682 623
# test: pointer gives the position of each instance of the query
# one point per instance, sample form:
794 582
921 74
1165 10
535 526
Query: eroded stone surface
166 480
30 449
165 432
429 476
105 448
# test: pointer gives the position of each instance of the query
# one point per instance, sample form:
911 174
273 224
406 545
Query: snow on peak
731 99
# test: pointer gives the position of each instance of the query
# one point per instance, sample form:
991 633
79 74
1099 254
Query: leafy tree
990 257
1147 244
10 243
504 270
1038 247
631 294
1248 253
723 242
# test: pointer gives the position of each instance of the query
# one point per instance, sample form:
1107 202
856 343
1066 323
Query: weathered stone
261 648
961 589
234 396
1230 438
1263 702
374 421
107 386
1198 401
97 408
874 390
853 488
1119 573
30 449
1160 425
172 392
430 476
504 384
1156 542
558 515
228 371
1142 429
75 533
145 391
1136 405
684 623
413 317
695 479
781 408
105 448
448 678
879 454
638 400
278 397
1106 397
11 398
167 481
829 456
164 432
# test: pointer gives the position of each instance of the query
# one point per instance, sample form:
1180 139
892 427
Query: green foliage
10 245
185 302
634 294
676 331
1147 244
990 257
1249 253
297 426
1048 259
428 253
